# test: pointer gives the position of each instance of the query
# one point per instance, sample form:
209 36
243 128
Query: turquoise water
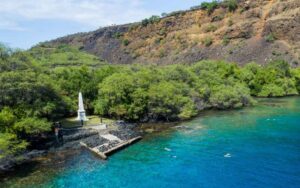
252 147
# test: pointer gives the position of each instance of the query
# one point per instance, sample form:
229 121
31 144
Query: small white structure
81 112
100 127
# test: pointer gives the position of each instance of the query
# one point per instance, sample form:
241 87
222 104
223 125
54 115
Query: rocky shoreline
71 141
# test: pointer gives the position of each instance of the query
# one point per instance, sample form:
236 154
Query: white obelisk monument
81 112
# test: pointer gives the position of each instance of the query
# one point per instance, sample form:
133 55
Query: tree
296 75
164 14
70 81
126 42
271 90
10 144
232 5
209 6
170 100
7 119
114 95
32 126
154 19
5 51
224 97
27 95
145 22
281 67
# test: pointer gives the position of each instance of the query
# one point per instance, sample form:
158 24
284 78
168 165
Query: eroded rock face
179 38
285 27
283 6
243 30
283 22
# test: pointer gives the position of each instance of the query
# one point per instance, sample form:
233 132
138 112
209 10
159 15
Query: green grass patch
126 42
210 28
207 41
93 120
63 55
270 37
225 40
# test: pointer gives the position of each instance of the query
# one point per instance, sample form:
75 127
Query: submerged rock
8 163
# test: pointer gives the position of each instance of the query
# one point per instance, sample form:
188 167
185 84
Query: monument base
81 116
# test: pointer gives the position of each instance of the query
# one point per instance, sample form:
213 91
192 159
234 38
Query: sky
24 23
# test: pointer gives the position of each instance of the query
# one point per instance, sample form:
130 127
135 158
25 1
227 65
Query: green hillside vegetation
34 95
62 55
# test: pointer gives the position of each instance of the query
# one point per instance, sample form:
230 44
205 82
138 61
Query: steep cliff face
259 31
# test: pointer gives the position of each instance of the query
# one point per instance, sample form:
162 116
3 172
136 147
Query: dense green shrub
11 145
164 14
170 100
170 93
236 96
270 38
4 52
209 6
33 94
28 94
296 75
153 19
210 28
60 57
32 126
273 80
115 93
117 35
126 42
197 7
176 13
7 119
14 132
271 90
145 22
230 23
232 5
207 41
141 95
225 40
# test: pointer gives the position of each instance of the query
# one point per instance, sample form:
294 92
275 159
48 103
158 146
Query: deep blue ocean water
251 147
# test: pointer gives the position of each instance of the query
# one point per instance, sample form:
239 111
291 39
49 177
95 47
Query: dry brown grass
174 34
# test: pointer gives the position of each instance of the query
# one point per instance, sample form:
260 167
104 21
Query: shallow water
252 147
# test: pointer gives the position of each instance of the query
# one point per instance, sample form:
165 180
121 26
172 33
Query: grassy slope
63 56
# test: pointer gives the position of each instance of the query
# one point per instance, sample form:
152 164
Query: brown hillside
259 31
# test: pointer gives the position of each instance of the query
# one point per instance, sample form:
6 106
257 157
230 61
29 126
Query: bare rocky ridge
182 37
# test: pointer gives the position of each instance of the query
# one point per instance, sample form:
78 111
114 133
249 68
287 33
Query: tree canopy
35 89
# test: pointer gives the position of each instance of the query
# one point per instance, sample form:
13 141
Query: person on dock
60 133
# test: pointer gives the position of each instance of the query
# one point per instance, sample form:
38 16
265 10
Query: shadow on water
49 164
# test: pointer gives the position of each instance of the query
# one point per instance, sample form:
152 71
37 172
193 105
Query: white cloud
10 25
88 12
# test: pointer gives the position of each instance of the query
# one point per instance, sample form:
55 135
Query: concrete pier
102 151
